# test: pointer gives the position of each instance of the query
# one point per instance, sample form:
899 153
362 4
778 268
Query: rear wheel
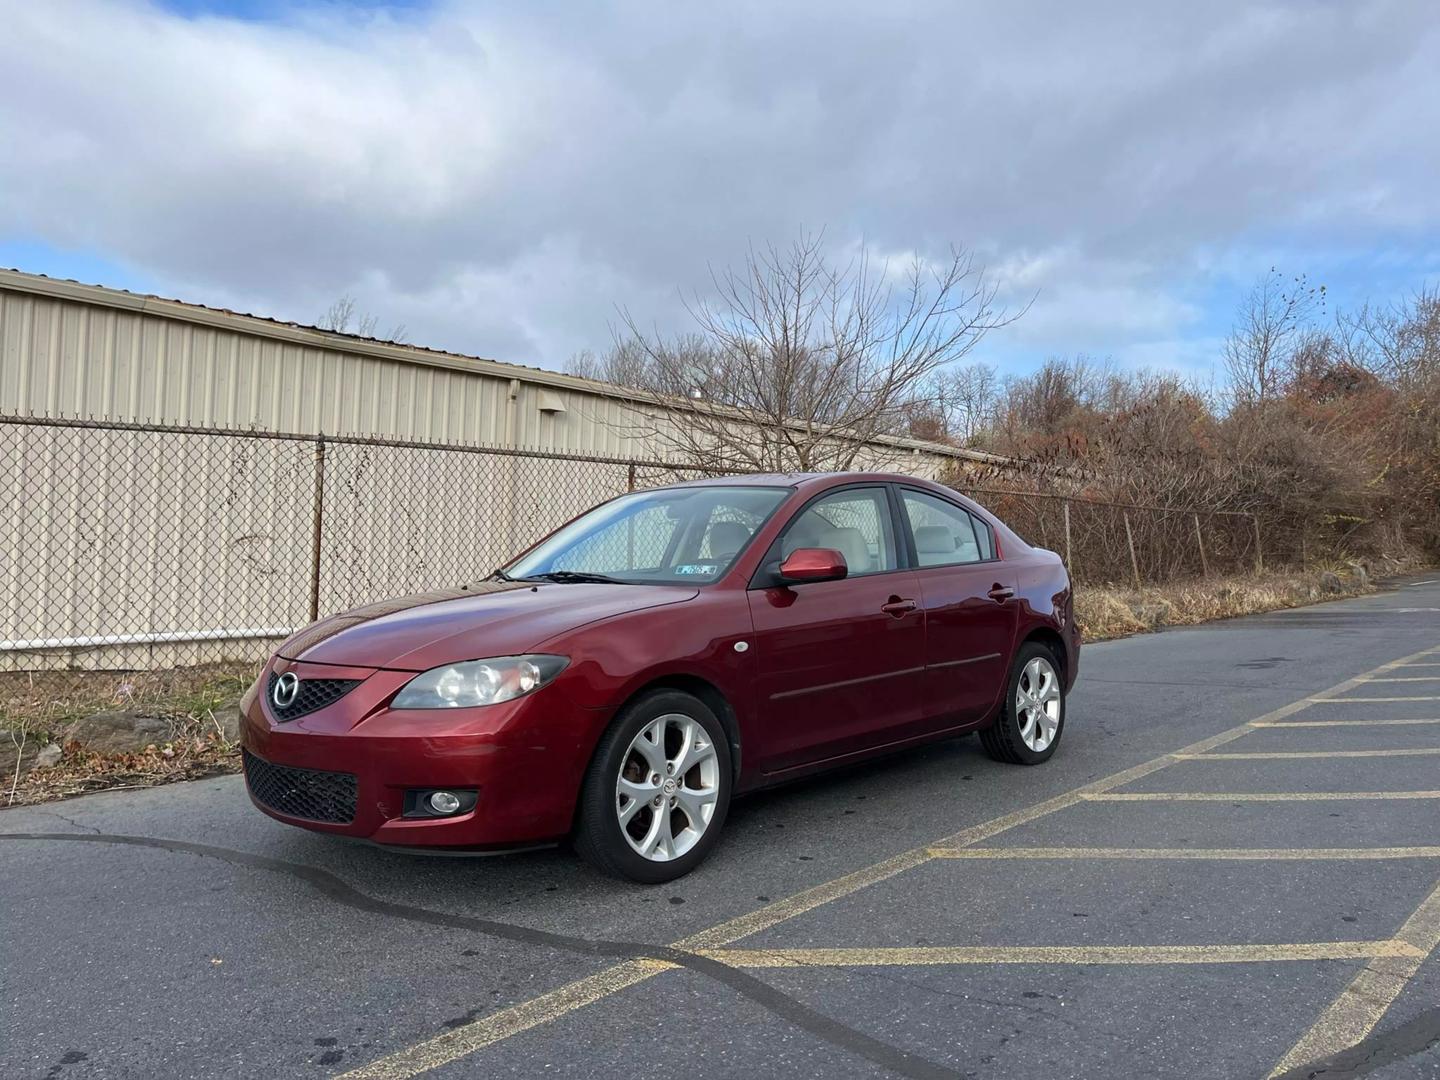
657 790
1029 726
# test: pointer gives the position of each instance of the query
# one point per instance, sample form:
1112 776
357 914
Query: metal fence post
1069 564
318 527
1130 541
631 479
1200 543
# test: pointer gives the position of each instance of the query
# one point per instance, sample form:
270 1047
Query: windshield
652 537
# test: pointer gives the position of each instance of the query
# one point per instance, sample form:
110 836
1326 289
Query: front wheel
1033 717
657 790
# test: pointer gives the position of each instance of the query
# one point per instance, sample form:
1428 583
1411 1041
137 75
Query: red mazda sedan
628 675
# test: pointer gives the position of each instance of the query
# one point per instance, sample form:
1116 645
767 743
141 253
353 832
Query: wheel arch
711 695
1051 639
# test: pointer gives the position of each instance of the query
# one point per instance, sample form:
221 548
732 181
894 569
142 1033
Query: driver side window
855 522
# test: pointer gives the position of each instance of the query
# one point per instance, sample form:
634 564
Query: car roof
1012 541
796 479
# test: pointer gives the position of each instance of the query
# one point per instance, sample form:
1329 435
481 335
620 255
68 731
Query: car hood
457 626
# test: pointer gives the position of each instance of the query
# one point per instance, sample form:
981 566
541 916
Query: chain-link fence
141 548
138 548
1115 542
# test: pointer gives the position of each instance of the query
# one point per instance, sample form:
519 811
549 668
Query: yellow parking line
1422 751
771 914
464 1040
1341 723
1256 796
1362 1004
1219 854
457 1043
1064 954
1348 700
978 833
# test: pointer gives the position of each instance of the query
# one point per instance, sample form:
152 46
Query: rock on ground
49 755
227 719
118 732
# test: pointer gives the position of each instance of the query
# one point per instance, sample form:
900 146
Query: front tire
1030 723
657 790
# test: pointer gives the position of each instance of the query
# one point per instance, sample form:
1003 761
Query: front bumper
526 758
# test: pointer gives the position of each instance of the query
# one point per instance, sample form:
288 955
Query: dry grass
1111 611
47 699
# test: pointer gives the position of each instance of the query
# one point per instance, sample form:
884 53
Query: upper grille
311 695
304 793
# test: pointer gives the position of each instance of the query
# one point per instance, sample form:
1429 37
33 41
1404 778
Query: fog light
444 802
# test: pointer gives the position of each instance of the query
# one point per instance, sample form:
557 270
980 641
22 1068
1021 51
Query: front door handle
1000 593
899 607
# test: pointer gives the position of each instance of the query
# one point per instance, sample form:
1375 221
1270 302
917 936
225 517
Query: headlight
478 682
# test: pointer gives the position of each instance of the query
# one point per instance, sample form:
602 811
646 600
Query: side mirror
813 564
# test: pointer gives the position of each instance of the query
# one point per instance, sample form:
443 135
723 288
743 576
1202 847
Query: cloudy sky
501 176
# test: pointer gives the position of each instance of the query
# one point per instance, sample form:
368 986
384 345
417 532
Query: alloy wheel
669 783
1037 703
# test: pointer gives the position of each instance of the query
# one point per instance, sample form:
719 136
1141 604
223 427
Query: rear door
839 665
970 607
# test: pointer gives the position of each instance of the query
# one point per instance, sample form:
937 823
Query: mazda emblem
286 687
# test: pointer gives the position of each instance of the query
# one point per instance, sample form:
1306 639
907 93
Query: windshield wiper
500 575
575 577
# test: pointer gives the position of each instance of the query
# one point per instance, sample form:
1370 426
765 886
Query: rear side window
943 533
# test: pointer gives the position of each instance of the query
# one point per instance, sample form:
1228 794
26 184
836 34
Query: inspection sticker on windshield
693 569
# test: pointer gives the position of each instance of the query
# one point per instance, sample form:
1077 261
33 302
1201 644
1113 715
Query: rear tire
657 790
1032 718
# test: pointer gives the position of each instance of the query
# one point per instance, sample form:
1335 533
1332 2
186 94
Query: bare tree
798 363
343 317
1273 319
627 363
965 401
1399 341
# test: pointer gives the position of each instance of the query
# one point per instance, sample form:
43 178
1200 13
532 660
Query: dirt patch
191 754
193 709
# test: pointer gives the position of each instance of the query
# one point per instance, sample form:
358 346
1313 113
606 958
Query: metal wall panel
66 358
73 350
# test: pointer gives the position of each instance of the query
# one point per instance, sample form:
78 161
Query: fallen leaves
194 753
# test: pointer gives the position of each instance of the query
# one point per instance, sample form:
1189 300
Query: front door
839 664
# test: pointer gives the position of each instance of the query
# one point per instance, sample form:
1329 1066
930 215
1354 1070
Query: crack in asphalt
68 820
1030 1010
1374 1052
832 1031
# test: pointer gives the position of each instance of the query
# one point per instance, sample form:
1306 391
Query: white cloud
500 178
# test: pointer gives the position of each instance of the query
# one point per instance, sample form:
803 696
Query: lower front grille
312 794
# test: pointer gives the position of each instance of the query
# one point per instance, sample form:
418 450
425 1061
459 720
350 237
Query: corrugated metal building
72 349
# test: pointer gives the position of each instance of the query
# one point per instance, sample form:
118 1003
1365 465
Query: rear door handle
898 607
1000 593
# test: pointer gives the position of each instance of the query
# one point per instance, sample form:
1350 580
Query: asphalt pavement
1231 868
